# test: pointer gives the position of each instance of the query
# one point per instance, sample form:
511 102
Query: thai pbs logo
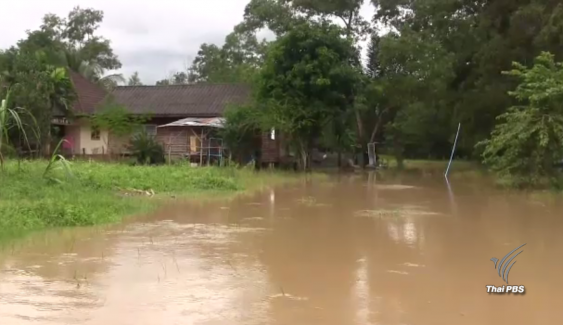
503 268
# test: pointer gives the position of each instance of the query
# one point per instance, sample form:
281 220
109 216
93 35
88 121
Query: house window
95 135
150 129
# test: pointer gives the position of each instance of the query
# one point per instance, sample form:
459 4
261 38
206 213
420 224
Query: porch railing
199 154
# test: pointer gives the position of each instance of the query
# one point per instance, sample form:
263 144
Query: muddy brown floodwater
353 250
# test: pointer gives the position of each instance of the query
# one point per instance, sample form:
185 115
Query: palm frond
116 77
111 81
90 71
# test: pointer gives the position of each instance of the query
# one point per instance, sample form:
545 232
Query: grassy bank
468 170
458 167
99 193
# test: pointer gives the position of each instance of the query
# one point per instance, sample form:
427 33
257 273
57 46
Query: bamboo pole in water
453 150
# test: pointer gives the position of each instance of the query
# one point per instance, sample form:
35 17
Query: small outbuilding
196 139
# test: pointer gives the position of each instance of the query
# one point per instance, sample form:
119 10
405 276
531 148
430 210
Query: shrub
526 145
147 150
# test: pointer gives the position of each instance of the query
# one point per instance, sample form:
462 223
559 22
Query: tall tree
484 37
207 64
163 82
77 32
281 15
36 68
526 145
176 78
179 78
236 61
307 81
72 42
40 88
277 15
134 80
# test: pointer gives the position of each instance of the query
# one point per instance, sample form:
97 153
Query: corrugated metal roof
214 122
196 100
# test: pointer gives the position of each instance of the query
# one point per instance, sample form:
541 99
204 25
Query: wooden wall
175 140
181 140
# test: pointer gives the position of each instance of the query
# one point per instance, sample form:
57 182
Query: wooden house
183 118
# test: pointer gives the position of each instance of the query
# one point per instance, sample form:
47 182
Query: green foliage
308 80
134 80
242 130
528 142
114 117
338 135
57 162
63 94
71 42
235 62
276 15
147 150
178 78
414 74
36 69
483 39
76 34
39 87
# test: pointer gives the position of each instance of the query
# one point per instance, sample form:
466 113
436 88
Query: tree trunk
304 150
371 157
361 141
377 125
47 149
399 156
302 156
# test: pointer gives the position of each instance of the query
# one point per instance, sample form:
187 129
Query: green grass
435 166
99 193
460 169
431 164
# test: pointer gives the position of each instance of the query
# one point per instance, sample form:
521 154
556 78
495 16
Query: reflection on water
361 292
404 232
358 250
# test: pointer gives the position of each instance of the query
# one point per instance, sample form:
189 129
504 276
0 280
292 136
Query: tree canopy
528 142
35 69
307 80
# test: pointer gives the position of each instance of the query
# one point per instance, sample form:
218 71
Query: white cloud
151 37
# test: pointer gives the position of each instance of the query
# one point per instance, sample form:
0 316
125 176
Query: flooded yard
353 250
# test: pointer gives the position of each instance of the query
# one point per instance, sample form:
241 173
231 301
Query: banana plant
10 118
57 162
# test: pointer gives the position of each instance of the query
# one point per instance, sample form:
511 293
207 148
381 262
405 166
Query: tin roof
196 100
213 122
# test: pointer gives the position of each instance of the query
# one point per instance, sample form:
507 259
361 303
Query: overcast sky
154 38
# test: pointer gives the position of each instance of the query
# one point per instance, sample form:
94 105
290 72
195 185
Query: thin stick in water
453 150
